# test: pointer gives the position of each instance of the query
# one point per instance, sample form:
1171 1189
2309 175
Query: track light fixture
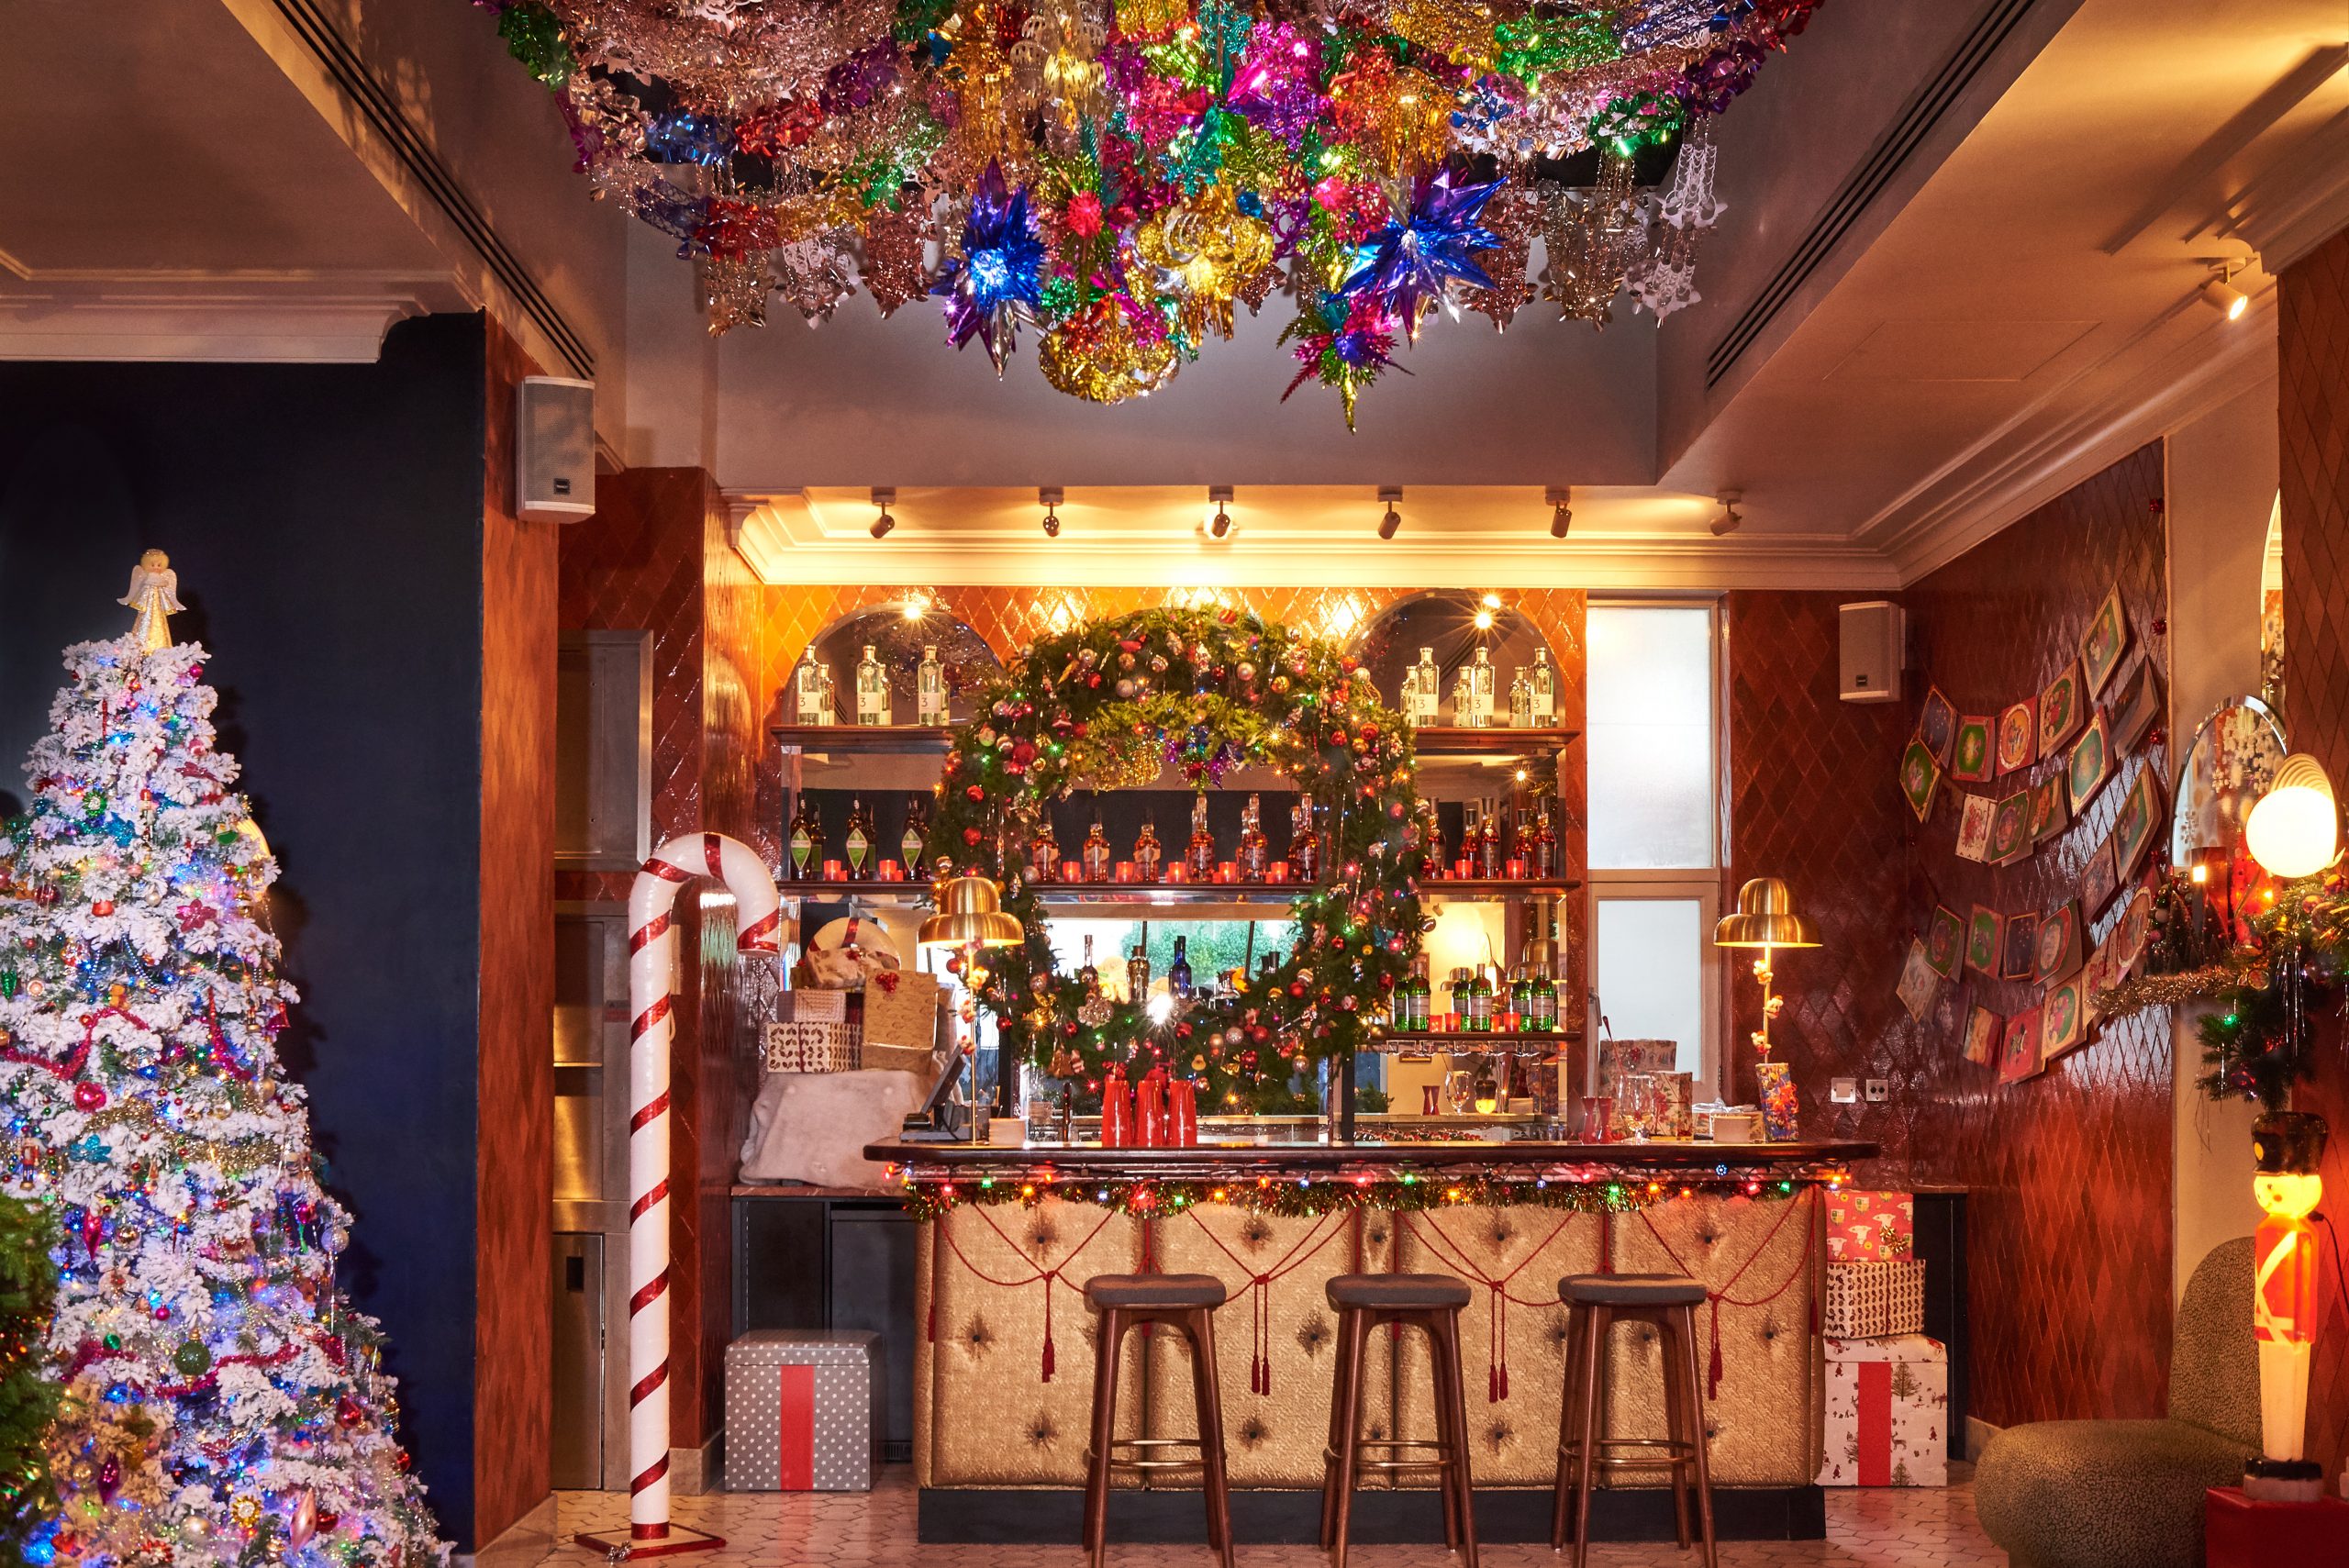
1050 495
1219 524
1731 519
2221 295
883 499
1562 513
1393 520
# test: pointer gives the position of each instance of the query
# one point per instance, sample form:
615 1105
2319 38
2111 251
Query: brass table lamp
1766 919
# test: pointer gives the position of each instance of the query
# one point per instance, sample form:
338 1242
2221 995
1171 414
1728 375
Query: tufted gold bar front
1006 1229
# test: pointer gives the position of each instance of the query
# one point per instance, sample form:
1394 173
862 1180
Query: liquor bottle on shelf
910 842
1138 975
1255 849
1520 702
1431 837
1456 993
1541 686
1088 975
806 840
1464 698
1094 854
1149 859
1541 849
858 846
1521 996
1303 843
1178 971
1472 692
1043 852
1472 819
1414 1004
1541 1003
930 688
811 687
1487 1094
1488 856
1199 857
1422 690
1480 1001
872 689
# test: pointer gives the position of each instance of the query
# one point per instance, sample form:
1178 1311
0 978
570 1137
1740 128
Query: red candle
1516 870
835 870
1071 871
1227 871
1460 869
891 872
1177 872
1126 871
1277 872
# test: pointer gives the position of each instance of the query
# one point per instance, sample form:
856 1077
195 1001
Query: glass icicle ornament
198 1312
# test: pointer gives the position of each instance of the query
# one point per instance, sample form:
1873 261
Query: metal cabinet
808 1262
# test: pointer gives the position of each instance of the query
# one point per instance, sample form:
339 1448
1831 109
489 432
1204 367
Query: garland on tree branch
1113 702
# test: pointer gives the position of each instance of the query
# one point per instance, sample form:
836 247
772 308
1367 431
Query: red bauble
348 1412
103 907
88 1097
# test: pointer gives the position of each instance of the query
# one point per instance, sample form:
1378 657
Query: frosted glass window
1651 972
1651 738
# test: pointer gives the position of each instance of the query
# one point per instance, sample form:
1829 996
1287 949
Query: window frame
1701 884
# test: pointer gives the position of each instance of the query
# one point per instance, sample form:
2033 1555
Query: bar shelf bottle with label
1094 857
1539 848
1422 694
1255 849
929 689
1149 858
1541 683
859 847
1303 843
909 842
1198 856
872 689
1178 971
811 687
1043 852
805 841
1415 1000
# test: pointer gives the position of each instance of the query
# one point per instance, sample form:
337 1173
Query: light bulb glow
2295 831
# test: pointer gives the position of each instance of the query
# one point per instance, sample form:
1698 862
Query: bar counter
1003 1371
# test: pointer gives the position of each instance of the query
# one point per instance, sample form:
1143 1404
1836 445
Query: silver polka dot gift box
800 1410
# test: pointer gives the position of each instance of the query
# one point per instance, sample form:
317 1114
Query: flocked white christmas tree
223 1404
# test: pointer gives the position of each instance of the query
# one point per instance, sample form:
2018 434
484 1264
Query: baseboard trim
1054 1517
694 1471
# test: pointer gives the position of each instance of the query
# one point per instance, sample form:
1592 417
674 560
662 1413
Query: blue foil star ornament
998 281
1408 265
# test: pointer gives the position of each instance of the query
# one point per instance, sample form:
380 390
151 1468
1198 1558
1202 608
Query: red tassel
1713 1368
930 1332
1048 1361
1493 1387
1504 1380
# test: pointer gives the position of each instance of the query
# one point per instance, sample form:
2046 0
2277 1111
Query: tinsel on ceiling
1114 177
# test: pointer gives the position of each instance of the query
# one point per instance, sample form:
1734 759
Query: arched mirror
900 634
1451 630
2230 764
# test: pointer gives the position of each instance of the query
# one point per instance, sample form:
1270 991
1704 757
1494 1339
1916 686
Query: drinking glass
1460 1090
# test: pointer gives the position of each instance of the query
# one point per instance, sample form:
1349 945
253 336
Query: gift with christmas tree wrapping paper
1875 1300
1888 1412
800 1410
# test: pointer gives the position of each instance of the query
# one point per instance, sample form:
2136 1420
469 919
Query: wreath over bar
1113 702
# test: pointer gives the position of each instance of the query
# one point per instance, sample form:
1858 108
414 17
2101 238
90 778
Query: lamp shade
2295 831
970 914
1765 918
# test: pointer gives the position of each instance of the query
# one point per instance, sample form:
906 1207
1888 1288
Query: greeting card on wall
1937 724
1983 1029
2010 829
2103 971
1985 930
2019 1049
1945 942
2020 959
2090 765
2098 881
1917 982
2058 943
2136 925
2136 704
2048 818
2061 712
2064 1021
2107 640
1919 777
2019 735
2140 820
1970 760
1974 827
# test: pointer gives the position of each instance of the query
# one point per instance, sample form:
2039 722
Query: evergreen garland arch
1110 703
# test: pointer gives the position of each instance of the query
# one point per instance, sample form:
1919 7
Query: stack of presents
1887 1385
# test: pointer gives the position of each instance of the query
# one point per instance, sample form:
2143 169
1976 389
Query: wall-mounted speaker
555 450
1874 637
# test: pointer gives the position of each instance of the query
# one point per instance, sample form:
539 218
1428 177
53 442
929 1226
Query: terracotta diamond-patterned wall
2312 347
2069 1254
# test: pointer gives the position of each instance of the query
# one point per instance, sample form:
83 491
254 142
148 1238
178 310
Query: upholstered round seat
1631 1290
1153 1293
1398 1293
2142 1509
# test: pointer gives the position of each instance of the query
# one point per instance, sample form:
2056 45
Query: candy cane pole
651 976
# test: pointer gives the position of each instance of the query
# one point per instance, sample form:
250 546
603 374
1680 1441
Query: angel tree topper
221 1402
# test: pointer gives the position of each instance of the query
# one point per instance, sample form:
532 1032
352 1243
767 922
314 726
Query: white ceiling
2012 306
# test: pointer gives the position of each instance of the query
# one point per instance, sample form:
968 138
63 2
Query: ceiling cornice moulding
227 316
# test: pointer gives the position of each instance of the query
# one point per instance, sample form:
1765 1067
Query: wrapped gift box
1873 1301
1868 1228
901 1009
807 1006
800 1410
795 1047
2240 1534
1888 1413
1618 1059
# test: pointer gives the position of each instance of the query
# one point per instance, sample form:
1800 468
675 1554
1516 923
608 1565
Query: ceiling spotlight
2222 296
1731 519
1050 495
1393 520
1562 514
883 499
1219 524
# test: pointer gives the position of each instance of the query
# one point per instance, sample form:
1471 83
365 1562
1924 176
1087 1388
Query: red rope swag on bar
1813 1236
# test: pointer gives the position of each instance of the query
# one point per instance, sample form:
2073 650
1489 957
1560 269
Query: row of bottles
1493 845
1532 696
816 701
1179 985
806 850
1159 1111
1524 1002
1097 860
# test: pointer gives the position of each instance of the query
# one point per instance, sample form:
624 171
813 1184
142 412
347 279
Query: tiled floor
766 1529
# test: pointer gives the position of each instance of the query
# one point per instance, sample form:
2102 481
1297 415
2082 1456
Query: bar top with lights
1725 1165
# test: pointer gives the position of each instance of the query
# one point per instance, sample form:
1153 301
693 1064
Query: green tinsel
533 35
28 1396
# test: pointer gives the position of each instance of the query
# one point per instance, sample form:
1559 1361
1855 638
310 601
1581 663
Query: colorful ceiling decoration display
1115 176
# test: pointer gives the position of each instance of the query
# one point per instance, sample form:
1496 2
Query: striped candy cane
651 975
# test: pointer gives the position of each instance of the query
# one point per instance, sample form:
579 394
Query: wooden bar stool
1596 1303
1186 1303
1431 1302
